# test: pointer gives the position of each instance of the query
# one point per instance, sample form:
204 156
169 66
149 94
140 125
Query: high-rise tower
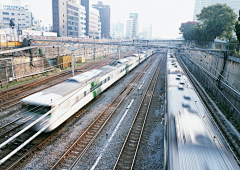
104 11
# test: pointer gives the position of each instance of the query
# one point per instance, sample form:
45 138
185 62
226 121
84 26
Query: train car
65 99
191 139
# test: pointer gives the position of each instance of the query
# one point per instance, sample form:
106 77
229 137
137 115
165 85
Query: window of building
13 19
19 19
63 3
63 20
26 16
63 26
5 19
18 13
23 24
5 13
63 15
23 19
23 14
63 32
13 14
27 21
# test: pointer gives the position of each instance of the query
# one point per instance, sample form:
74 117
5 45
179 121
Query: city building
117 35
132 26
94 24
235 5
85 3
20 15
117 29
82 21
147 33
69 18
104 11
200 4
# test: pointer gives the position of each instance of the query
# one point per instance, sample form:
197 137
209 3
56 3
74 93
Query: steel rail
135 130
109 111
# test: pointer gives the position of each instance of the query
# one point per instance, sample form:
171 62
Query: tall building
82 21
85 3
20 15
199 4
104 11
116 27
132 26
68 18
235 5
94 24
147 32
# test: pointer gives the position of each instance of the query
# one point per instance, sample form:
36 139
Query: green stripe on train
127 70
97 92
94 83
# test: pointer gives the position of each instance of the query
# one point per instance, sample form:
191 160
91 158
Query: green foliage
213 21
187 29
237 28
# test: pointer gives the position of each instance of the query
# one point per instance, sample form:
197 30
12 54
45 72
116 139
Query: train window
108 78
105 80
85 93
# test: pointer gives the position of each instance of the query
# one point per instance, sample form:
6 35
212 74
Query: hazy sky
165 16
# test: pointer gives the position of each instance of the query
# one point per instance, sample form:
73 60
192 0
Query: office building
20 15
200 4
235 5
94 24
82 21
147 33
69 18
132 26
85 3
117 27
104 11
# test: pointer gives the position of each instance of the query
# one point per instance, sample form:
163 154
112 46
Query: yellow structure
65 61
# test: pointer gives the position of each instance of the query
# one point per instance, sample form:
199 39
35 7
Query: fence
232 48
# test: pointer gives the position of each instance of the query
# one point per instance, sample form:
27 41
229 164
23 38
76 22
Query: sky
165 16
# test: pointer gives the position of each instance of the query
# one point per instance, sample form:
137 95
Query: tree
217 21
187 30
237 28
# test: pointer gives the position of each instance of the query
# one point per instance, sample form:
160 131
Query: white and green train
65 99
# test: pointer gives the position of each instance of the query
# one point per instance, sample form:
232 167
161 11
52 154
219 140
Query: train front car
65 99
192 141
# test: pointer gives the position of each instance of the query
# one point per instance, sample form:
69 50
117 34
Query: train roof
48 96
203 157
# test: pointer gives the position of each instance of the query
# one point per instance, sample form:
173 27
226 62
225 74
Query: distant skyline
165 16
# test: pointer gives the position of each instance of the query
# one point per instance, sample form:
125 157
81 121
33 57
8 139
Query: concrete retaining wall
214 64
17 66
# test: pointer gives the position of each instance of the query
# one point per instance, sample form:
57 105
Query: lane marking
113 134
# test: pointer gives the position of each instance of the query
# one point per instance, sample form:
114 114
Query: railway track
229 137
13 126
7 96
129 150
27 150
80 146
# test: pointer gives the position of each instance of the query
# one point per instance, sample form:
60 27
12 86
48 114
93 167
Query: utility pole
119 51
94 50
